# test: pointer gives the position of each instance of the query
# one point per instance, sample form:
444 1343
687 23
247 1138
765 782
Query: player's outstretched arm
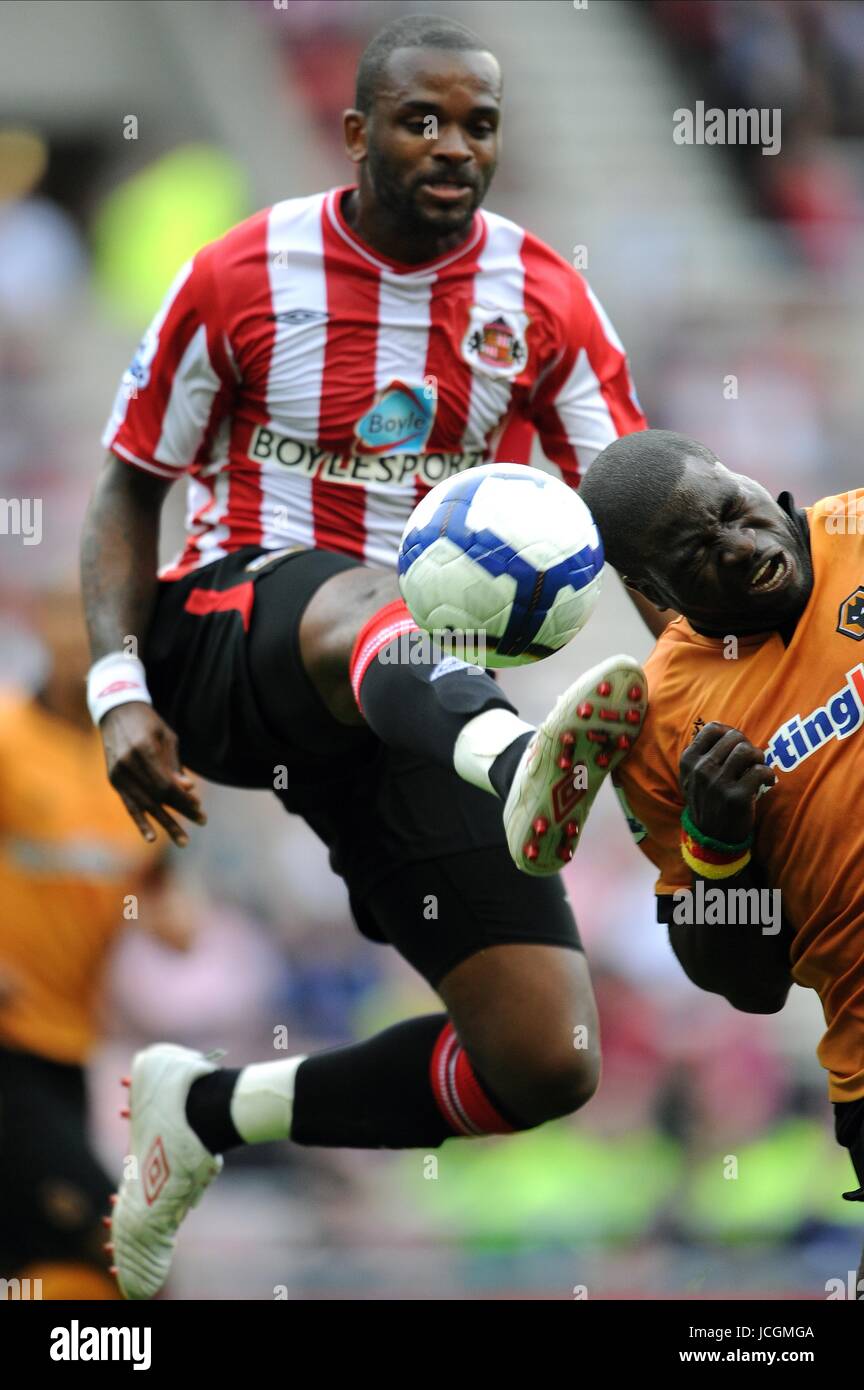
119 547
722 774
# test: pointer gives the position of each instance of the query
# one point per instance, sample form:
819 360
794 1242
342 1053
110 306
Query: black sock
417 701
381 1093
374 1094
208 1110
502 771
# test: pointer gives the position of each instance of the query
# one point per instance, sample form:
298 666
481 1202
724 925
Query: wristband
705 869
709 857
116 679
724 846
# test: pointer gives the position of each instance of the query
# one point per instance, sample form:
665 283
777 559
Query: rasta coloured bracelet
709 857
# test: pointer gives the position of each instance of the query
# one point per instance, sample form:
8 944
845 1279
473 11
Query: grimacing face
430 144
725 554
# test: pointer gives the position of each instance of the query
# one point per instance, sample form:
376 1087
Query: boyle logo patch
401 418
851 620
495 341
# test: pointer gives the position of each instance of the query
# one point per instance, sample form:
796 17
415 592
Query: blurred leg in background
53 1192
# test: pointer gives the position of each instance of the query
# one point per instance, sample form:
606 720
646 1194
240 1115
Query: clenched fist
721 776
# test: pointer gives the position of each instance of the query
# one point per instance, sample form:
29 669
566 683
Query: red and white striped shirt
313 390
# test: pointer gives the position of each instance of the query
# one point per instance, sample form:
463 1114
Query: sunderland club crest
495 341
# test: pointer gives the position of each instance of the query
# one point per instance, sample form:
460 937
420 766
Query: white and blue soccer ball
505 558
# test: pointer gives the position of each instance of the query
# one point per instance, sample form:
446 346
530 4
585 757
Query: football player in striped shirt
313 373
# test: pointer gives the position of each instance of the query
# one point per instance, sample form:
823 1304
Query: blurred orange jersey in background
71 866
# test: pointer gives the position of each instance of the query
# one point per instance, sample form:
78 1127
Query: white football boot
588 733
167 1168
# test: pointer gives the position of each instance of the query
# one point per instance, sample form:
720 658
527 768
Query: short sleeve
653 812
587 399
178 382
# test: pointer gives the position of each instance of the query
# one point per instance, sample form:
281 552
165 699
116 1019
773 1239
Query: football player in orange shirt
746 786
69 860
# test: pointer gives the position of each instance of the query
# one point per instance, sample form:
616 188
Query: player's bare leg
526 1017
328 631
354 640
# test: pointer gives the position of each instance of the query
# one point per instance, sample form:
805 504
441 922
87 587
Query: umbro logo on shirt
295 317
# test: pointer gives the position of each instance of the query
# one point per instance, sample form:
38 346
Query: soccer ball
505 558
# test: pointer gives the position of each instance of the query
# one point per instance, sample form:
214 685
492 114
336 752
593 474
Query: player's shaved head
630 484
691 535
412 31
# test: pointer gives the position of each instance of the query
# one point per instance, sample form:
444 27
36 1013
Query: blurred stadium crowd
743 329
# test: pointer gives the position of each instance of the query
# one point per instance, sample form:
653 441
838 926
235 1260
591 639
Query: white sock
480 742
262 1105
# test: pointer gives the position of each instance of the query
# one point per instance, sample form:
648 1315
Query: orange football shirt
69 858
804 704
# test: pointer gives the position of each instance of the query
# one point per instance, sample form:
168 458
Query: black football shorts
224 669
